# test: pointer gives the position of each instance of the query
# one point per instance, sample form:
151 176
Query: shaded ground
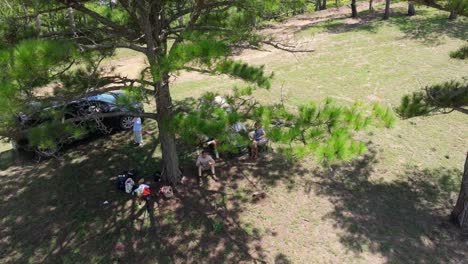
404 220
54 211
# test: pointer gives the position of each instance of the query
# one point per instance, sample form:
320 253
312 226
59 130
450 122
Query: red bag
146 191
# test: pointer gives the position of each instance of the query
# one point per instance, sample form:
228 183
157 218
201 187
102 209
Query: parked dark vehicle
75 112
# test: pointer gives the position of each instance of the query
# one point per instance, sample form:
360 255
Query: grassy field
389 206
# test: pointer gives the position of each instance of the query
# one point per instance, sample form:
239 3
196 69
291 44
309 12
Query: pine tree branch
193 19
206 7
111 89
188 68
200 28
123 80
108 115
94 116
461 110
42 12
114 45
103 20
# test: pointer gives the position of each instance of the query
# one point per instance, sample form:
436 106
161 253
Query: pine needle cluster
327 131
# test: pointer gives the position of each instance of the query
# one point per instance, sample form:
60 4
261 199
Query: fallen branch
285 47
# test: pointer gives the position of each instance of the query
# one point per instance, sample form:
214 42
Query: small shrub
461 53
218 226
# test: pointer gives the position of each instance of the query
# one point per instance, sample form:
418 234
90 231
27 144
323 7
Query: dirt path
283 32
298 23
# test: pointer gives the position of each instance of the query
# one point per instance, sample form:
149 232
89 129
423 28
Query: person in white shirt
205 162
233 131
137 131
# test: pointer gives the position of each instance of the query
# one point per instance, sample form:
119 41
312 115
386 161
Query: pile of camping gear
126 182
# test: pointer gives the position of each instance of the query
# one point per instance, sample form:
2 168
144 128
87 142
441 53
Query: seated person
221 102
258 139
205 162
209 142
239 127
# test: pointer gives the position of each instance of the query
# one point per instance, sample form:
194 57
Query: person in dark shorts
258 138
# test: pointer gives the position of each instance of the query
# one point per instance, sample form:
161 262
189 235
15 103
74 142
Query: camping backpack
142 191
167 191
121 182
129 185
122 178
157 177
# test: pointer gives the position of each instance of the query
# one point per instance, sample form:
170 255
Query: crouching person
205 162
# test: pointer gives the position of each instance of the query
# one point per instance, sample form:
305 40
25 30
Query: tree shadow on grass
266 172
404 220
54 212
428 26
7 159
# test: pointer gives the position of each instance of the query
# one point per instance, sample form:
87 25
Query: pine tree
354 12
387 9
325 131
443 99
174 36
195 35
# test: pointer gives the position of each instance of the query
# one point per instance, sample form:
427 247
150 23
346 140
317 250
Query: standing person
137 131
259 138
205 162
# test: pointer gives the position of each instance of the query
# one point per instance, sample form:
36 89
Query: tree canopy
61 44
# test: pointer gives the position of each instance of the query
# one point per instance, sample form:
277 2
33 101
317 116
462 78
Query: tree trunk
411 9
353 8
387 9
318 5
453 14
25 11
170 160
324 5
71 20
460 211
38 25
371 7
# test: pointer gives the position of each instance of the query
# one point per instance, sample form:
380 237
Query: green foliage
116 14
414 105
11 32
273 9
130 96
218 226
245 72
385 114
460 6
436 98
26 67
327 131
48 135
84 75
32 63
461 53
